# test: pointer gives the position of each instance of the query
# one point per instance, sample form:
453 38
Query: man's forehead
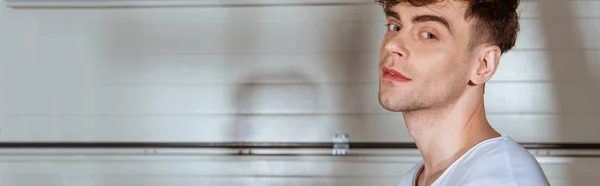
450 9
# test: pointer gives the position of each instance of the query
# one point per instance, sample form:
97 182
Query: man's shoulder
506 154
501 162
504 151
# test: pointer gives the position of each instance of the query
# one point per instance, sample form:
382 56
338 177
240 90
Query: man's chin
392 109
389 106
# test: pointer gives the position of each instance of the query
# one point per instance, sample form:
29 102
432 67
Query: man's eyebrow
391 13
427 18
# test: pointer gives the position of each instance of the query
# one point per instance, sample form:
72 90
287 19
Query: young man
435 59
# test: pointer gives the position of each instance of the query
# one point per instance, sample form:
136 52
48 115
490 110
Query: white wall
276 73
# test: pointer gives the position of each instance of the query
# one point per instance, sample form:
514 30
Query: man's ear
487 60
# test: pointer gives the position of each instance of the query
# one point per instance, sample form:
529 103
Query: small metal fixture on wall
341 144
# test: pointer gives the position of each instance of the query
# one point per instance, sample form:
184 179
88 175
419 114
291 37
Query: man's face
424 61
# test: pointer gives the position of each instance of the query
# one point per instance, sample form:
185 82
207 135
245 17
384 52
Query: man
435 58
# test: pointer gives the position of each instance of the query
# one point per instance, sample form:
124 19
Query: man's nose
397 45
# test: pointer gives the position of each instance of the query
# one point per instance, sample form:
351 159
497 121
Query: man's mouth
394 75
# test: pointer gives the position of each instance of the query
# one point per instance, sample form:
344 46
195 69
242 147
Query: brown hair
496 21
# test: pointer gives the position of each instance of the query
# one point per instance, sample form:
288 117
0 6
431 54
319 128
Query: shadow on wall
348 66
265 95
573 66
275 105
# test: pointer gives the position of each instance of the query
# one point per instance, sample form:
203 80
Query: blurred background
261 71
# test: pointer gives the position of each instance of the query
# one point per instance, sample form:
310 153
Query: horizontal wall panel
229 168
32 179
558 9
205 128
227 180
24 99
284 128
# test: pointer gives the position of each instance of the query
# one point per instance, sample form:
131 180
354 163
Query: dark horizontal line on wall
262 145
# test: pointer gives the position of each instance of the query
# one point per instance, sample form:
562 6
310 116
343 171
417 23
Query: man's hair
496 21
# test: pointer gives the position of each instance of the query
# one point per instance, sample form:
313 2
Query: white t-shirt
493 162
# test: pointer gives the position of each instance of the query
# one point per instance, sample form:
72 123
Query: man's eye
393 27
428 35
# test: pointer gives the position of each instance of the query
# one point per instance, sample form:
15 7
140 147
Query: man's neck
443 135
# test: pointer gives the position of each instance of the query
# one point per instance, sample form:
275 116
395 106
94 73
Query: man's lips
394 75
